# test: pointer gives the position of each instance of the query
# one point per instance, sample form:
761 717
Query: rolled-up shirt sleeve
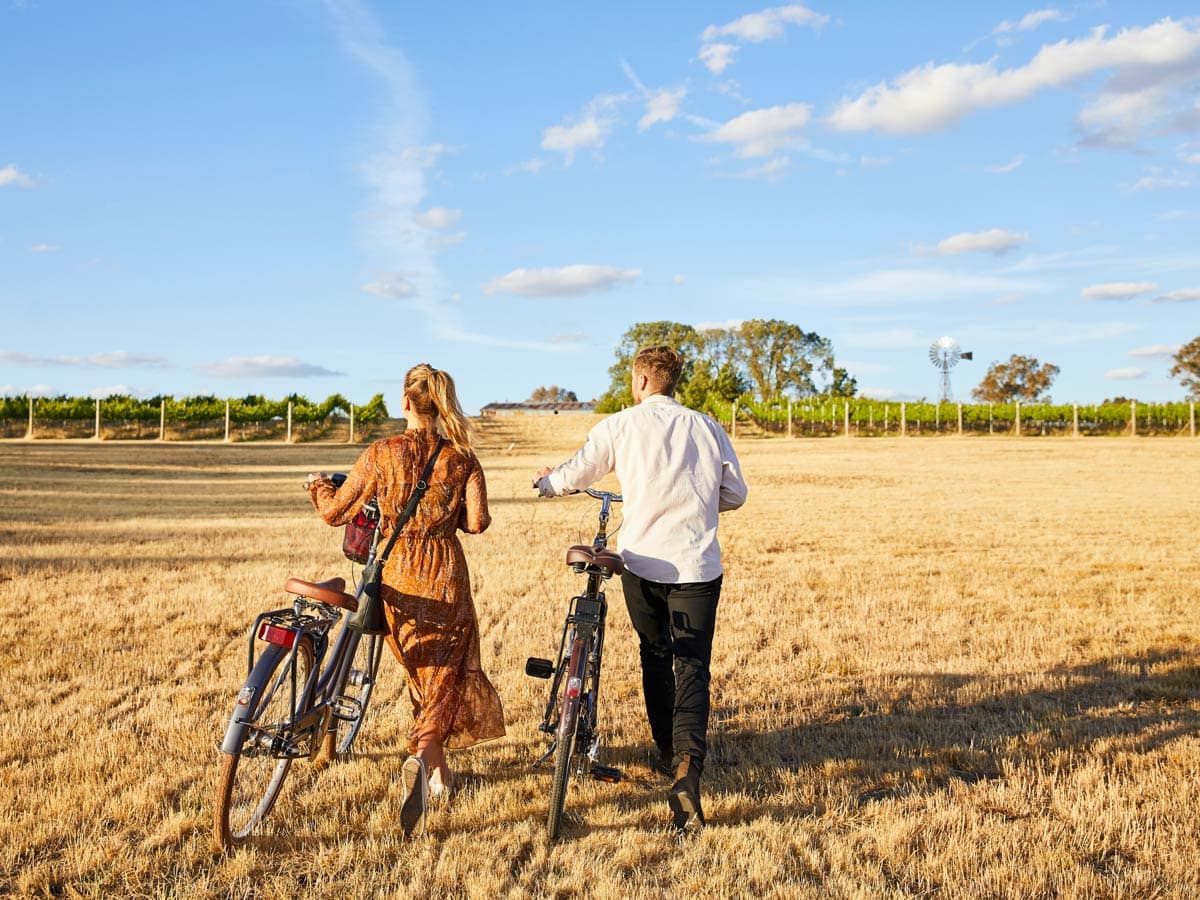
593 461
733 486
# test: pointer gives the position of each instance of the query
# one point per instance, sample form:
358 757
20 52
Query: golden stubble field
943 667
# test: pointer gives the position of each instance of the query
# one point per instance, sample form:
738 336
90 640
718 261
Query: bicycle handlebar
600 495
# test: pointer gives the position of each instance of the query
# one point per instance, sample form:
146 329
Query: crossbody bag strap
418 492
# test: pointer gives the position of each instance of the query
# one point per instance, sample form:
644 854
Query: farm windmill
945 353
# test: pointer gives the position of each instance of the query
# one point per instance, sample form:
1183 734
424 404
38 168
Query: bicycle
301 698
571 716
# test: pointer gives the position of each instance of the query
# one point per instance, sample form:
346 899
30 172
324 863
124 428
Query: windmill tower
945 353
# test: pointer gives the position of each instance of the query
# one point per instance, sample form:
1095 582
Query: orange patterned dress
426 585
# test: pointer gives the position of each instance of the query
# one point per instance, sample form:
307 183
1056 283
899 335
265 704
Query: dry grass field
944 667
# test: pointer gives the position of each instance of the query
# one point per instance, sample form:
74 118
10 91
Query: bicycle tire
568 724
250 785
360 682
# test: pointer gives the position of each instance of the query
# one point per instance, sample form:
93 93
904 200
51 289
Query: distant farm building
538 409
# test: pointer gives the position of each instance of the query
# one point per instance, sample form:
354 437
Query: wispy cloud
568 281
1030 21
1155 350
118 359
1118 290
11 175
1012 165
392 285
769 24
265 367
889 287
587 130
529 167
439 217
996 241
932 97
1127 373
43 248
662 105
1183 295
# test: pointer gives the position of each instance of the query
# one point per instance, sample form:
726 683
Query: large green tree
779 357
1187 367
683 338
1021 378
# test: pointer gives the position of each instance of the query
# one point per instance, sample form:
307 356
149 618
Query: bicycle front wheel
252 778
568 725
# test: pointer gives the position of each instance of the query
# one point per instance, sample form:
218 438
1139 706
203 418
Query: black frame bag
368 618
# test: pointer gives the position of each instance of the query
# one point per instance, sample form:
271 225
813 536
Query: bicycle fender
248 696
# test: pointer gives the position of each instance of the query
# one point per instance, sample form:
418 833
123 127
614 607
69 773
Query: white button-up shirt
677 470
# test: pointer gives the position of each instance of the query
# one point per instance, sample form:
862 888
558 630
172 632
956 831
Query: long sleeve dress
434 632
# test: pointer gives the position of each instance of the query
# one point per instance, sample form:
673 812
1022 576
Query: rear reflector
273 634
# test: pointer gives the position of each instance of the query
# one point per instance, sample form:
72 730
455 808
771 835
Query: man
678 471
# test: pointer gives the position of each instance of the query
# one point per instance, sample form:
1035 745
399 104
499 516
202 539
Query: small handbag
360 532
368 618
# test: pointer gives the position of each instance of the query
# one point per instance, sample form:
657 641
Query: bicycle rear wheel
252 778
568 724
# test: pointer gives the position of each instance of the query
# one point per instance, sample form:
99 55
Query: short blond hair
662 365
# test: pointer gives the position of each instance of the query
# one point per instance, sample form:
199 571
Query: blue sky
295 195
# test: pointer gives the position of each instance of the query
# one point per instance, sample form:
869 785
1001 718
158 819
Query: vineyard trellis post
789 416
1133 418
1018 417
288 438
351 441
162 419
1075 419
990 431
960 420
846 416
96 433
29 430
903 420
227 421
887 407
1192 417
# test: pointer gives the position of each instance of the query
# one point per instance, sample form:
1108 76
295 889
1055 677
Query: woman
426 586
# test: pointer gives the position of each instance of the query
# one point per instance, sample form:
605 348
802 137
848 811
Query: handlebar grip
338 479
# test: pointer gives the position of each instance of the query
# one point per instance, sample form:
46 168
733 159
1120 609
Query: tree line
204 408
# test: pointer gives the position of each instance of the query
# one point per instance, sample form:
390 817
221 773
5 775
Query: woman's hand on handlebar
314 478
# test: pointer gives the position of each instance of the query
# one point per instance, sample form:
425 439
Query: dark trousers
675 625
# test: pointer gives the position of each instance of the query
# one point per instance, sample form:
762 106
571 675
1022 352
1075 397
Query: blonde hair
662 365
431 393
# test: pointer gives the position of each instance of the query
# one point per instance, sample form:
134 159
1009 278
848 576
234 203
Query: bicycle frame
572 708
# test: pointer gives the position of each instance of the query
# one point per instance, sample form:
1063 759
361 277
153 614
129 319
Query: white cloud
1184 295
931 97
589 130
568 281
874 162
726 325
1118 290
772 170
678 280
1153 350
265 367
40 390
438 217
117 390
1158 178
43 248
529 167
1013 164
427 156
762 132
441 241
1125 374
1030 21
765 25
570 337
1012 297
995 241
118 359
662 106
890 287
10 174
393 285
717 57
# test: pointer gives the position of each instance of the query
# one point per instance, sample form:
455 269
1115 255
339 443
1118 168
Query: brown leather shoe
684 798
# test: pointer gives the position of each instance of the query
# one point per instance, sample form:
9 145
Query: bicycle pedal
607 774
538 668
347 709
